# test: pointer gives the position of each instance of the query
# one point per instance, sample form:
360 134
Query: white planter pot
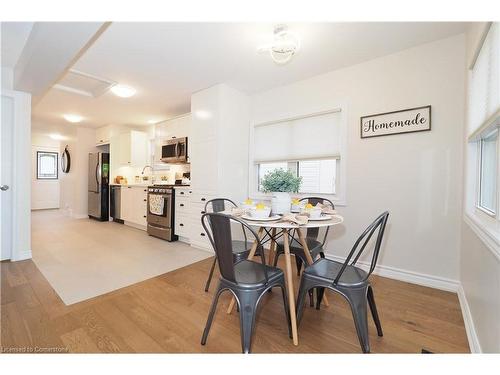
280 202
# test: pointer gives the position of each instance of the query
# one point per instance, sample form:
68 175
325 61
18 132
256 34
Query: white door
6 198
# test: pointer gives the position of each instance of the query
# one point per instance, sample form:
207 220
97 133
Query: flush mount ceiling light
72 118
284 45
123 91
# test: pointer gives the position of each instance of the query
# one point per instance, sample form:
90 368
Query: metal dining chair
241 248
349 281
313 243
247 280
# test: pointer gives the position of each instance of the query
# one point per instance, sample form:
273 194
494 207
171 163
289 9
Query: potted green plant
281 183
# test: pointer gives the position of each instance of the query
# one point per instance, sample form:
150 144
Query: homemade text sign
404 121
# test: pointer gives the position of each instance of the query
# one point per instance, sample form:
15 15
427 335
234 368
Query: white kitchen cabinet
103 135
218 152
134 148
134 205
182 213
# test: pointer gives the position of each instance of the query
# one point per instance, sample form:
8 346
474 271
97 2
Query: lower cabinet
134 205
189 207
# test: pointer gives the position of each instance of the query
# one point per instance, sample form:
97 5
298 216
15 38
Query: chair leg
207 285
320 293
248 309
373 308
298 262
311 297
211 315
287 309
276 256
359 308
303 290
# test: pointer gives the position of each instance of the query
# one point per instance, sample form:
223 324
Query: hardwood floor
166 314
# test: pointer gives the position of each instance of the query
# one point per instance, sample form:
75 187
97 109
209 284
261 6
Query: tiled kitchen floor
84 258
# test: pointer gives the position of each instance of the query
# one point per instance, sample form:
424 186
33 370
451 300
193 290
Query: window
482 206
46 165
312 146
488 173
318 176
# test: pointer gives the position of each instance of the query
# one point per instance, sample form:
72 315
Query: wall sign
405 121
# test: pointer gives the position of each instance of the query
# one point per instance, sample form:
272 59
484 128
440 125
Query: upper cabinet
219 142
177 127
103 135
134 148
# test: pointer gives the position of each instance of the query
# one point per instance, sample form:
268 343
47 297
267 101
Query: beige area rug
84 258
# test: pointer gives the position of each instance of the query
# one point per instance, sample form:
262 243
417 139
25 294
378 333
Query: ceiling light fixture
152 122
123 91
73 118
283 47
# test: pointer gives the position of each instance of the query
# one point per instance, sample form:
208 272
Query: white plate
322 218
270 218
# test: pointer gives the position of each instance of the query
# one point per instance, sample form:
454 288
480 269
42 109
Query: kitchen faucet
152 175
147 166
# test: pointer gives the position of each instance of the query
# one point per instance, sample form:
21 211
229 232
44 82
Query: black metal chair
241 249
247 280
315 246
349 281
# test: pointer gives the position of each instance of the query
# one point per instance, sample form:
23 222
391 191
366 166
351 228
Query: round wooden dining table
274 230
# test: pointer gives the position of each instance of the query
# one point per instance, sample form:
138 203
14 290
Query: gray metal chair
349 281
247 280
241 249
313 243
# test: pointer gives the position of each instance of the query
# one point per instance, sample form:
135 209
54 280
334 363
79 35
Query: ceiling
13 38
167 62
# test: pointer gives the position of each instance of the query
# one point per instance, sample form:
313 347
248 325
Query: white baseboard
431 281
23 256
474 345
79 216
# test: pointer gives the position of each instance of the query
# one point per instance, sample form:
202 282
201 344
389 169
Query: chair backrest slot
314 232
355 253
218 229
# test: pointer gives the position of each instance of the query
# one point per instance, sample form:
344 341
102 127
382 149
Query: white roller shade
309 137
484 87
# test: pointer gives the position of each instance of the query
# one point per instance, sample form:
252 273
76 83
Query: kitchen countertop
132 184
146 185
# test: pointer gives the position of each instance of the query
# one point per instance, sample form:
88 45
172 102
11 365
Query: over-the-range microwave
174 151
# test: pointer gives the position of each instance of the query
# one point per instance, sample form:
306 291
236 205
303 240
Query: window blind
302 138
484 84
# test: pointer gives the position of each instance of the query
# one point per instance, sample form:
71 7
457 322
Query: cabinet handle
129 187
181 193
203 199
144 216
144 200
181 225
202 234
202 212
182 205
145 190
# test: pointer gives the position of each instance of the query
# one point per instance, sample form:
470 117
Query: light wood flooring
166 314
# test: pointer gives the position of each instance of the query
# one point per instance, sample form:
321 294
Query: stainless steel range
160 216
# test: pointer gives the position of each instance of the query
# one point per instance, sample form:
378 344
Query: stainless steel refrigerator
99 186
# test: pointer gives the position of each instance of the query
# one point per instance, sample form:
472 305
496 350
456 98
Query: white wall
479 267
417 177
44 193
7 77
